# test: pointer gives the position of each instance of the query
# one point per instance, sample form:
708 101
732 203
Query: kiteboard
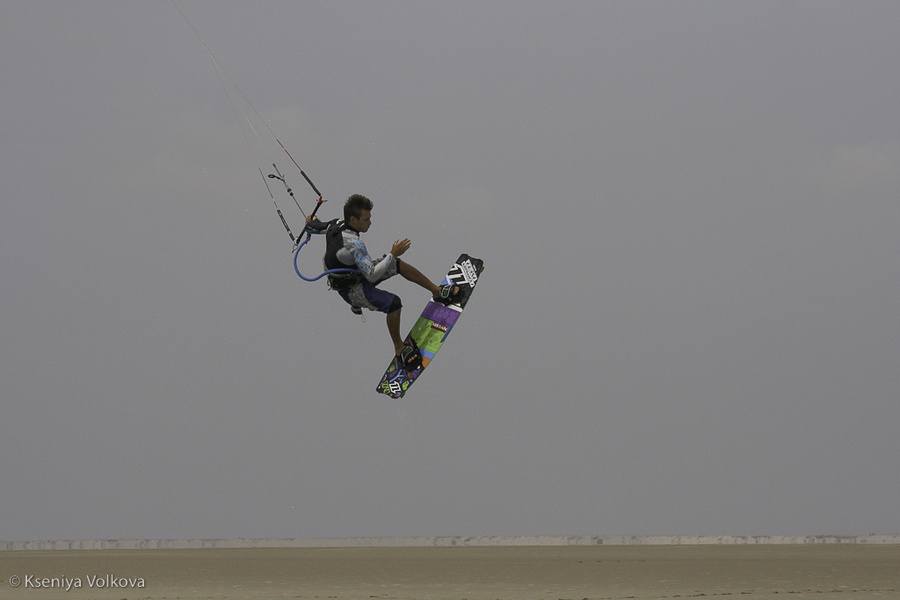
433 326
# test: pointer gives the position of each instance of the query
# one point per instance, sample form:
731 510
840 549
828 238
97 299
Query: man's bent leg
410 273
393 325
368 296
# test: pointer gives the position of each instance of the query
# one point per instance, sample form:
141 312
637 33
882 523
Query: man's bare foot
409 356
447 294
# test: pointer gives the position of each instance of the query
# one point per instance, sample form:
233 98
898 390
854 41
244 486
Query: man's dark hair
354 206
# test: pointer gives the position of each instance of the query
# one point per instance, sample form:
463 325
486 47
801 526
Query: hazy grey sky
689 321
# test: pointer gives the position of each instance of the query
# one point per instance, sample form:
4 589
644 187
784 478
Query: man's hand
312 218
400 246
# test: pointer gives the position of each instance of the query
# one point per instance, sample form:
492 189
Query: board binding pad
433 326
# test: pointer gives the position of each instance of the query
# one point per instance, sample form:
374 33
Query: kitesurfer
344 249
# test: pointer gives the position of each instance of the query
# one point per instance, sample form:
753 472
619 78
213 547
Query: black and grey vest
334 241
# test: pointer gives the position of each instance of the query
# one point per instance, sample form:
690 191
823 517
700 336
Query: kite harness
322 274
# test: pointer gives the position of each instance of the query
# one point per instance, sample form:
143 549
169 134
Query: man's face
362 223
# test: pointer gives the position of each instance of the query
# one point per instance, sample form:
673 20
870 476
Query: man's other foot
448 294
410 358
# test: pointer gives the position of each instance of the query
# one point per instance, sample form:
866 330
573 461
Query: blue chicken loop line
320 275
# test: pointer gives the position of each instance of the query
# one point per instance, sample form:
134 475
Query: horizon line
442 541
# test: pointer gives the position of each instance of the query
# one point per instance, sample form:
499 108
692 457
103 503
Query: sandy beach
822 571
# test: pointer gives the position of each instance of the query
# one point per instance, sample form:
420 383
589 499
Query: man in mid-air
345 250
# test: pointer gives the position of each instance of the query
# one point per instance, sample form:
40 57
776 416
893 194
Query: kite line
240 105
